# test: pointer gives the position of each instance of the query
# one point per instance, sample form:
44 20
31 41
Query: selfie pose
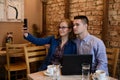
63 44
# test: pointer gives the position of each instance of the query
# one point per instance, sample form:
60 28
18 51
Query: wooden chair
112 54
34 54
15 62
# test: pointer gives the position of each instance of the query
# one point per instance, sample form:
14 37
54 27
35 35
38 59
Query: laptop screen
71 64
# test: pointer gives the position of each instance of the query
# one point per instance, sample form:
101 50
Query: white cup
100 74
50 69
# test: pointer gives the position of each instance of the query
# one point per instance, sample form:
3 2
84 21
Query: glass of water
85 71
56 75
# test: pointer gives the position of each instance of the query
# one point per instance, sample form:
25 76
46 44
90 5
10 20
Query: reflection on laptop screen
72 64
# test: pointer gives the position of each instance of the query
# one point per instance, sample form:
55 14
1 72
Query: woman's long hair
70 26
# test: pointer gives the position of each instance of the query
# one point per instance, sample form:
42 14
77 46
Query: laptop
71 64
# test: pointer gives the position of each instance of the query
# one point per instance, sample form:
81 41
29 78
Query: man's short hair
83 18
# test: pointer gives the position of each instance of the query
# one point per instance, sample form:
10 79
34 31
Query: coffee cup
100 74
50 69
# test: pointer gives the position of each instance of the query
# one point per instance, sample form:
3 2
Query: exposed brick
113 33
93 9
91 0
81 13
74 6
59 1
99 2
119 12
89 13
82 0
97 12
75 1
111 12
116 6
114 44
100 7
92 18
110 6
117 1
112 23
96 32
90 4
111 1
97 23
116 17
74 10
82 5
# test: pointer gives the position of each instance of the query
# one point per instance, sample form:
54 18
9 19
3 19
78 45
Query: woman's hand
25 32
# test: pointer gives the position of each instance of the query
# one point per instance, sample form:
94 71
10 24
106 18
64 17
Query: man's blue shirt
93 45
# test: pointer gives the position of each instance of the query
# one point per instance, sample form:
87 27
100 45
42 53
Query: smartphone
25 26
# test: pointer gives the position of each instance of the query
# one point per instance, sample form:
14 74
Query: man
89 44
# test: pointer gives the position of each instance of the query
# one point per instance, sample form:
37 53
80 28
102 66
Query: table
40 76
2 51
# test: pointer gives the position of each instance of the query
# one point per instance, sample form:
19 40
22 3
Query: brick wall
94 10
114 23
113 38
55 12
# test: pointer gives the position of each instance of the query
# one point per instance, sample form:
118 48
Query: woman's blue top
70 47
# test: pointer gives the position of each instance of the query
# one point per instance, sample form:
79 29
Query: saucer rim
105 78
47 74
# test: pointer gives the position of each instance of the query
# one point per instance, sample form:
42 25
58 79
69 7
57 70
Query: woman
63 44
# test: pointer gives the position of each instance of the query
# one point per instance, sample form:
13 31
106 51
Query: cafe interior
42 18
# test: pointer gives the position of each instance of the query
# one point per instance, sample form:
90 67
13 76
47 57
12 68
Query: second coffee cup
100 74
50 69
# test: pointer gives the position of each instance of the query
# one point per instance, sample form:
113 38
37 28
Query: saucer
47 74
95 78
102 79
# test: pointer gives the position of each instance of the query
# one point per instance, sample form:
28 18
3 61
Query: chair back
112 54
14 50
34 54
15 59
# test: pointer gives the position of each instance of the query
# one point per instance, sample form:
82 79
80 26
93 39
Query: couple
67 43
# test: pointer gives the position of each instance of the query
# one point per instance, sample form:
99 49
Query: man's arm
101 57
